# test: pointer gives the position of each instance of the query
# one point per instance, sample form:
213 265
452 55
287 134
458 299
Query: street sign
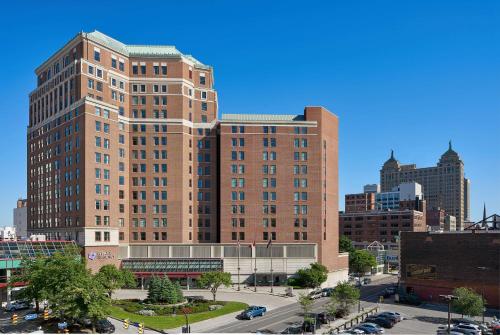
31 316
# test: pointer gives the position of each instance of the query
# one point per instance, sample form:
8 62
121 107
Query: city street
278 319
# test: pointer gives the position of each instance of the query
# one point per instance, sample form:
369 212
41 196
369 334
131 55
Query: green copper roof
262 117
140 50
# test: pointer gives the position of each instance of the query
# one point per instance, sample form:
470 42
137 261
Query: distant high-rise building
443 185
21 218
371 188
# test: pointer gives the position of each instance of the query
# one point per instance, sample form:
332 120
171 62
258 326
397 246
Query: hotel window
234 129
304 235
272 169
143 68
273 156
204 95
97 236
121 65
202 79
265 129
97 54
303 156
204 106
97 220
164 69
156 69
265 236
296 236
113 62
135 69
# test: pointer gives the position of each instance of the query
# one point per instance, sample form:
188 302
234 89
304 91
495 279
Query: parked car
327 291
293 329
252 312
389 291
370 328
351 332
104 327
391 318
17 305
396 315
316 294
381 321
468 327
367 281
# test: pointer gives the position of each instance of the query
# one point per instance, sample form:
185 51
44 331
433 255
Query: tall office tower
443 185
279 180
116 135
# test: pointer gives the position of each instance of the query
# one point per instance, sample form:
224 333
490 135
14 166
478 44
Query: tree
361 260
113 278
313 276
155 289
468 303
34 274
213 280
331 308
85 297
344 296
178 290
71 289
345 244
306 303
168 291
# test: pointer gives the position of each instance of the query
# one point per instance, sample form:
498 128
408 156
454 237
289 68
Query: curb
155 330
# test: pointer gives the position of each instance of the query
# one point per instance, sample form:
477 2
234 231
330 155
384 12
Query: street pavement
280 318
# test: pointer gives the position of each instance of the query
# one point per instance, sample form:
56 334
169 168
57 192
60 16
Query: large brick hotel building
127 156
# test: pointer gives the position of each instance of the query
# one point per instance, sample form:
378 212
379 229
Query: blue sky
402 75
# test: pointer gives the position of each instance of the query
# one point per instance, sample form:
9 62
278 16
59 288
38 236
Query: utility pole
448 298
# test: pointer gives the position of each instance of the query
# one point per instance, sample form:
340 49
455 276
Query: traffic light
14 319
45 314
126 323
140 328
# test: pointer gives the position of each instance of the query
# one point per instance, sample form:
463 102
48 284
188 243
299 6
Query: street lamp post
482 268
448 298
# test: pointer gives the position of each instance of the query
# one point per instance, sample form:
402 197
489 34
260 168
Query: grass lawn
167 322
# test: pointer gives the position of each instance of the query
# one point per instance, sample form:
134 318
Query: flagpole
238 263
272 278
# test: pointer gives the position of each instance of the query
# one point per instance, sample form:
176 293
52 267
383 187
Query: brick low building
434 263
381 226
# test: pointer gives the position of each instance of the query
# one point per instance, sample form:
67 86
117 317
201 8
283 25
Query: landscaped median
162 322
